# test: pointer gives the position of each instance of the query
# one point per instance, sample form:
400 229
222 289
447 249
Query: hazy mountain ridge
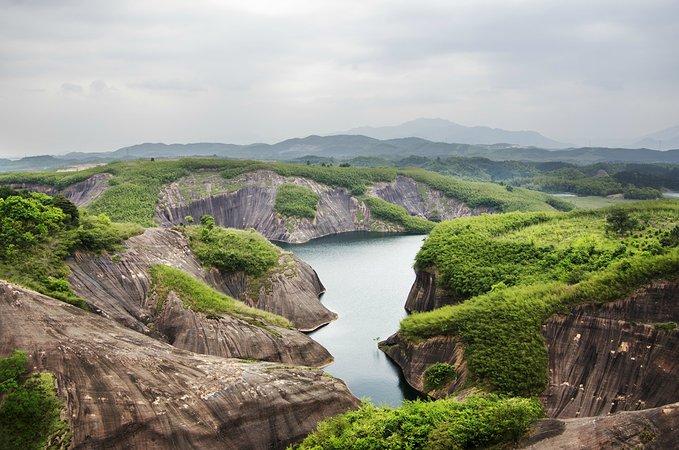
441 130
346 147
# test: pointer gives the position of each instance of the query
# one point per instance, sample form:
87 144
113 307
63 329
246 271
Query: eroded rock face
420 200
425 294
248 201
118 287
81 194
654 428
123 389
415 358
609 358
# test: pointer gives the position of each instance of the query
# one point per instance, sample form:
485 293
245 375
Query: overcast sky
98 75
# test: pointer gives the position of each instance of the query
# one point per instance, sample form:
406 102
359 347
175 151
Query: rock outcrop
118 287
655 428
614 357
81 193
420 200
123 389
425 294
415 358
247 201
602 358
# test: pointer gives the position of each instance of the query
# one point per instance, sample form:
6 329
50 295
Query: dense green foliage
296 201
37 236
643 193
382 209
477 422
232 250
438 375
560 204
29 407
198 296
517 269
481 194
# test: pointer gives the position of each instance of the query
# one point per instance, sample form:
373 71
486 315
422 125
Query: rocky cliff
81 194
614 357
247 201
425 294
655 428
118 287
602 358
123 389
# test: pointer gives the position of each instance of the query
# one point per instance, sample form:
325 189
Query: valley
197 302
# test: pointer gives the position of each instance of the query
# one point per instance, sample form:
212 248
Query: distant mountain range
440 130
660 140
341 147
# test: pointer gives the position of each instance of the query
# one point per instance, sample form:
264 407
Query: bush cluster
382 209
438 375
476 422
29 407
232 250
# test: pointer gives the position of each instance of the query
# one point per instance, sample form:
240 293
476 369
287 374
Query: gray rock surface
247 201
123 389
611 357
117 286
654 428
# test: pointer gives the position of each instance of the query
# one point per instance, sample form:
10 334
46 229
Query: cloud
232 71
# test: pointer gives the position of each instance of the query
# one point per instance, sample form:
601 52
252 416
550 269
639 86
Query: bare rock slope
247 201
118 286
123 389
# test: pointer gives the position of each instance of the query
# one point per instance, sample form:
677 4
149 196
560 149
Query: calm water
367 280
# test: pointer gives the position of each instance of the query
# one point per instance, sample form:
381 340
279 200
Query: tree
619 222
25 220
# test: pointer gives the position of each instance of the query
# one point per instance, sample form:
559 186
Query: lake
367 277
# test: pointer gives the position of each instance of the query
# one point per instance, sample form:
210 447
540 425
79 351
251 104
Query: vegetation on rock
232 250
39 231
198 296
29 407
293 200
515 270
382 209
438 375
476 422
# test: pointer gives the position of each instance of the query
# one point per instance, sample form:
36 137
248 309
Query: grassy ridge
293 200
476 422
200 297
136 185
518 269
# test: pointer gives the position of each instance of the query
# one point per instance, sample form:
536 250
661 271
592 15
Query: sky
99 75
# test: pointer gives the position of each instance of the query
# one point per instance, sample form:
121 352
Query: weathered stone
123 389
117 286
81 194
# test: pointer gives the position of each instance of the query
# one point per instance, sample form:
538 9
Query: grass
382 209
29 407
516 270
293 200
198 296
476 422
594 202
231 250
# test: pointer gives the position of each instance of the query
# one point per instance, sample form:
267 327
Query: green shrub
641 193
198 296
232 250
296 201
665 326
619 221
97 233
29 407
560 204
438 375
382 209
477 422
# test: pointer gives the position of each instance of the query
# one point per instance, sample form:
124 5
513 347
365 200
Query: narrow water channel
367 277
